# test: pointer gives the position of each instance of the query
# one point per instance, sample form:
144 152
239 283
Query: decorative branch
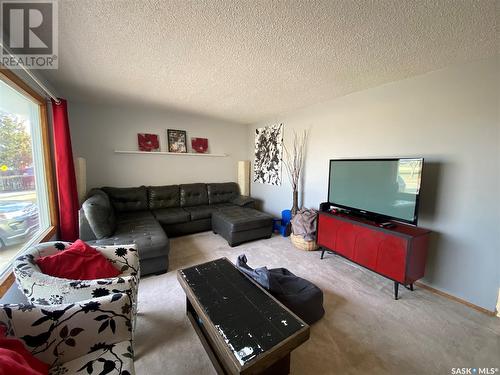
294 161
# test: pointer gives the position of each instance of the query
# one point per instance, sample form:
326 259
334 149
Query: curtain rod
33 77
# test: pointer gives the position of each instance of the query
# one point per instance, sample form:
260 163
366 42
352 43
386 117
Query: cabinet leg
409 286
396 289
322 252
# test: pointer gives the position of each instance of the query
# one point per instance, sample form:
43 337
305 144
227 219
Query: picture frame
268 155
148 142
177 140
199 145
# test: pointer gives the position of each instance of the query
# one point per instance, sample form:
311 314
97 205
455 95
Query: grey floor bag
301 296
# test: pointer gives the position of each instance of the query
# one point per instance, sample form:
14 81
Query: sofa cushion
78 262
222 206
144 231
200 212
243 201
100 214
163 197
222 192
128 199
168 216
134 216
16 359
193 195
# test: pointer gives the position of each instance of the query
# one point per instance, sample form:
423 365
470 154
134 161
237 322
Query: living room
351 148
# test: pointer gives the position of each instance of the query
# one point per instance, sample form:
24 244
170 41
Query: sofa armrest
44 289
124 257
60 333
85 231
244 201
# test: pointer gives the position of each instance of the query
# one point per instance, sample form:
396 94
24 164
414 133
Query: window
26 204
409 175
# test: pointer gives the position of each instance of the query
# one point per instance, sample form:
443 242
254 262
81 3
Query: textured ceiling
247 60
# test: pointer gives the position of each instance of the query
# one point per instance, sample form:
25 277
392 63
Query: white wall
97 130
450 118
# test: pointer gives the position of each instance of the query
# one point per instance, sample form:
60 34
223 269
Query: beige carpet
364 331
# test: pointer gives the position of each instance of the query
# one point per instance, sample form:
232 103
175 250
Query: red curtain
65 173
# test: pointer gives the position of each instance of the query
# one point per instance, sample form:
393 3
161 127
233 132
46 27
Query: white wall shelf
169 153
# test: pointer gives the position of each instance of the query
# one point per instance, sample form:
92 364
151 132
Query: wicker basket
300 243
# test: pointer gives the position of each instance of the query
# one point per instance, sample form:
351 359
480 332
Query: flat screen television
382 189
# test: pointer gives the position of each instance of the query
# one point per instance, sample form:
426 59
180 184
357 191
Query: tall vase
295 205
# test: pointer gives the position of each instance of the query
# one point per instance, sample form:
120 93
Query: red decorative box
199 145
148 142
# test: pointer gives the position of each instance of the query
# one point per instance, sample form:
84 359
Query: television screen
387 187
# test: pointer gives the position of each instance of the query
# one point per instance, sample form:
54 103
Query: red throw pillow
78 262
15 359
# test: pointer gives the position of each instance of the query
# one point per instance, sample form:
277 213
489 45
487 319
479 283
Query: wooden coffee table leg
280 367
209 349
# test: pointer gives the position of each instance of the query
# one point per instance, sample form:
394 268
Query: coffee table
243 329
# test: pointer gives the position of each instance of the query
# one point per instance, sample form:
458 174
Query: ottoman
239 224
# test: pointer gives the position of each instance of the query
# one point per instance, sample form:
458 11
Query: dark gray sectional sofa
147 216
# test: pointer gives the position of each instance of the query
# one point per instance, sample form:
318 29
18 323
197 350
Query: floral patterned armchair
42 289
88 337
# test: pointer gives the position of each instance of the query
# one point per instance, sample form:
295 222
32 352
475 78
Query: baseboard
456 299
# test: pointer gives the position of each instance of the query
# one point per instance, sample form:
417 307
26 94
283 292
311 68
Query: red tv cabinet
398 253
